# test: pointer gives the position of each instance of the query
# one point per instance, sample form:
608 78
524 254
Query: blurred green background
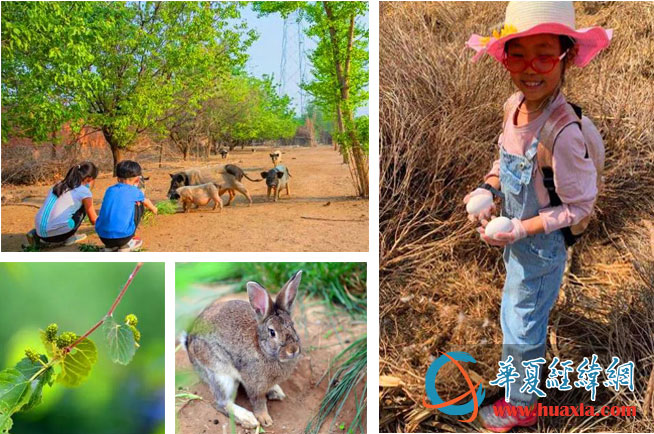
115 399
341 284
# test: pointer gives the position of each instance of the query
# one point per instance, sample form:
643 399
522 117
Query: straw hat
526 18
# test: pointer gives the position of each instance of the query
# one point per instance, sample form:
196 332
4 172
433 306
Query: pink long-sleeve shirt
574 175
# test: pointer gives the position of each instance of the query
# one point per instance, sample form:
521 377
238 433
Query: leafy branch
68 360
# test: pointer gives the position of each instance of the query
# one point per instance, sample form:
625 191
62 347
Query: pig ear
264 174
171 175
286 296
259 300
280 174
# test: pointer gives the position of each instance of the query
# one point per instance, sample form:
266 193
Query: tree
244 109
122 68
339 69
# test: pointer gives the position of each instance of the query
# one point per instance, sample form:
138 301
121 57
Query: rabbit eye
272 332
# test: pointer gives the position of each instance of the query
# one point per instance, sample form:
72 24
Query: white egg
477 204
497 225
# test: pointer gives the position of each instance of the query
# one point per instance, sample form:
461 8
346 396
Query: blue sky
265 54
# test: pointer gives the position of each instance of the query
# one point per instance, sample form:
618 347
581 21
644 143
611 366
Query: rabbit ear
259 300
286 296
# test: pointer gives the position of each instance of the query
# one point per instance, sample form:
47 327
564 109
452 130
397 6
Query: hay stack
440 117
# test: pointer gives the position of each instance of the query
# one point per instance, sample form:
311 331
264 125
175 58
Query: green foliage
120 67
13 391
339 67
363 132
88 247
349 371
18 389
30 248
121 341
76 365
136 333
330 23
342 283
32 355
51 332
21 387
44 375
164 207
65 339
131 320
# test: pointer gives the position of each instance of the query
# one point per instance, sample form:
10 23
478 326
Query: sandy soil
321 214
323 333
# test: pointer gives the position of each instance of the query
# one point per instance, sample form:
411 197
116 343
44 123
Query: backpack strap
561 117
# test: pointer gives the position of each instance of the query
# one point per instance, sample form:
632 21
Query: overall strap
561 117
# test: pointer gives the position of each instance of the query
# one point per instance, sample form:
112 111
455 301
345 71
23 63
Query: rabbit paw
264 418
276 393
244 417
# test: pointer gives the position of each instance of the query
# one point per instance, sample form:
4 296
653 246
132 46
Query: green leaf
29 369
120 339
5 423
14 392
77 364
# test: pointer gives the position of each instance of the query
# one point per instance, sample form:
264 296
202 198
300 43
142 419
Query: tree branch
111 309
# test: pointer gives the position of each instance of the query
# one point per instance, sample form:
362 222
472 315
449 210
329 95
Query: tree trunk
360 160
53 145
116 151
341 134
160 153
343 113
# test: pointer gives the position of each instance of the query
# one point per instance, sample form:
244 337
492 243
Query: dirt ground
322 213
323 333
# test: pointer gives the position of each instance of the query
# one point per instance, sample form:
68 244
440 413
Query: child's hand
149 205
501 239
484 214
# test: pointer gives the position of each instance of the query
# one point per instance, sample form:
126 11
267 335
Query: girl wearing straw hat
537 43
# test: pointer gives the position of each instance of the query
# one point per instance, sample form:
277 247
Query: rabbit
253 343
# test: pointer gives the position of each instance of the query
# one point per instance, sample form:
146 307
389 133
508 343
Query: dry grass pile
440 116
34 164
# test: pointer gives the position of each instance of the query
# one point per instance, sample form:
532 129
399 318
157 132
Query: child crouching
122 208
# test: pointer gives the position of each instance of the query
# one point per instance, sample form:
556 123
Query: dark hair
75 176
128 169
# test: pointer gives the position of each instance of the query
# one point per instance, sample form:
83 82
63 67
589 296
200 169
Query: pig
276 179
199 195
227 176
223 152
276 157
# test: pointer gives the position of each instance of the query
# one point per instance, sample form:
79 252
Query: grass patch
350 365
30 248
89 248
165 207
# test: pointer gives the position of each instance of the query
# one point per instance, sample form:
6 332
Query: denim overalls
534 270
